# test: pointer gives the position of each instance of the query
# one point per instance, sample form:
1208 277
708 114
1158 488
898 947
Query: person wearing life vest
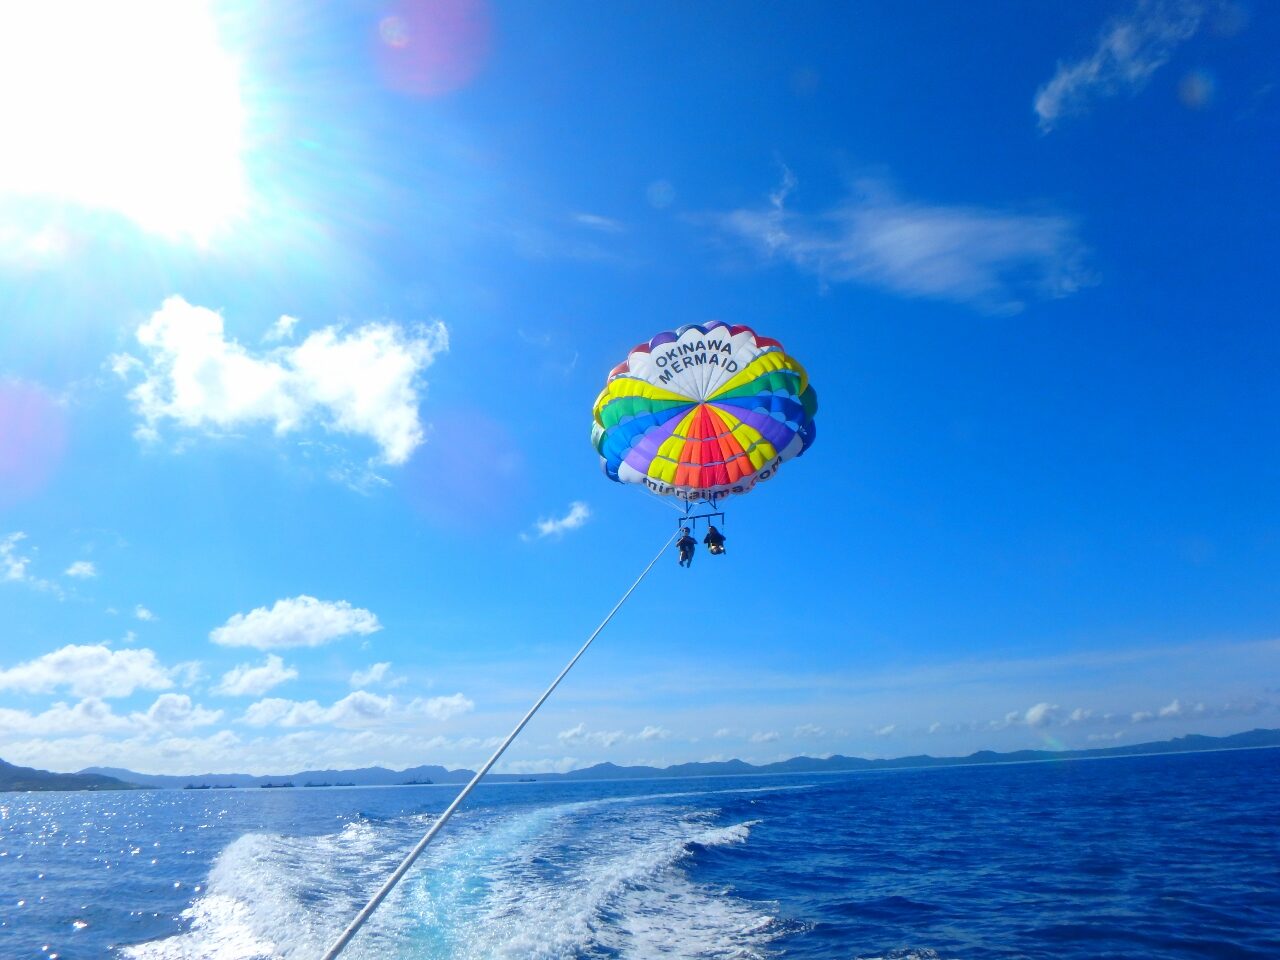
685 545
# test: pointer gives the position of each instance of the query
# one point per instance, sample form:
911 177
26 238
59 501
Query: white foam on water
273 896
617 887
600 876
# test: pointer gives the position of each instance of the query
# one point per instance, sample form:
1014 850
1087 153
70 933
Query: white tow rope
352 928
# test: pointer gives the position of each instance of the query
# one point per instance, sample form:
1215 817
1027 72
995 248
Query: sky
303 311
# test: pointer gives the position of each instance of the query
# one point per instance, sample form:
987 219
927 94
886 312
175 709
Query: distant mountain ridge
29 778
381 776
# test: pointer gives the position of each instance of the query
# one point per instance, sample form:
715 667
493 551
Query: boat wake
578 880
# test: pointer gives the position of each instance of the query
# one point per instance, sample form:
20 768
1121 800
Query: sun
132 107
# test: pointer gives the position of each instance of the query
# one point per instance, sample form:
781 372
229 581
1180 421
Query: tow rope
354 926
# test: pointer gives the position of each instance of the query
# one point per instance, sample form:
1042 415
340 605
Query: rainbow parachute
703 412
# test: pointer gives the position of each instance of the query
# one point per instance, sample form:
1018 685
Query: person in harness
686 545
714 541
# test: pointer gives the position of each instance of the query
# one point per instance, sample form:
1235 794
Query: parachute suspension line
340 944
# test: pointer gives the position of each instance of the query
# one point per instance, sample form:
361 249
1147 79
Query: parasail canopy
703 412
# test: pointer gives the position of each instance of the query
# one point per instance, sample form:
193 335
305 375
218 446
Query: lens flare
660 194
469 474
32 439
1197 89
431 47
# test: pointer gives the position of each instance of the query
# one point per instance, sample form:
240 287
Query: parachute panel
703 411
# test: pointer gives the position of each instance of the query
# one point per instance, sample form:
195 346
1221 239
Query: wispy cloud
282 329
14 565
246 680
580 734
596 222
579 513
990 259
1129 50
375 673
142 613
1044 714
82 569
356 709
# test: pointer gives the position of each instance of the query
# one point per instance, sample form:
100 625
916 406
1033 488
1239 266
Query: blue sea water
1151 857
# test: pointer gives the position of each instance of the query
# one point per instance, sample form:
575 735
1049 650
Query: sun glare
132 107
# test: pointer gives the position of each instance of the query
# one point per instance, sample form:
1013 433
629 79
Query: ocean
1164 857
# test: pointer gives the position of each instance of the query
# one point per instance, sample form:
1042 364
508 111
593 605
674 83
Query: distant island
28 778
115 778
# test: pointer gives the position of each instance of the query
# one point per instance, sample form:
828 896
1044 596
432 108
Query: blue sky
302 318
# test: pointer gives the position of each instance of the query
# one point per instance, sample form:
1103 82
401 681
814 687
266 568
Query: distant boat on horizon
275 786
310 783
416 783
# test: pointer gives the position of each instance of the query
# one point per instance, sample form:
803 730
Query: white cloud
573 734
764 736
1041 715
187 673
12 564
561 765
358 708
443 708
89 671
364 383
987 258
722 733
282 329
809 730
374 674
142 613
653 733
246 680
82 569
93 715
89 715
884 731
1129 50
578 514
579 734
285 713
175 710
1176 709
299 622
